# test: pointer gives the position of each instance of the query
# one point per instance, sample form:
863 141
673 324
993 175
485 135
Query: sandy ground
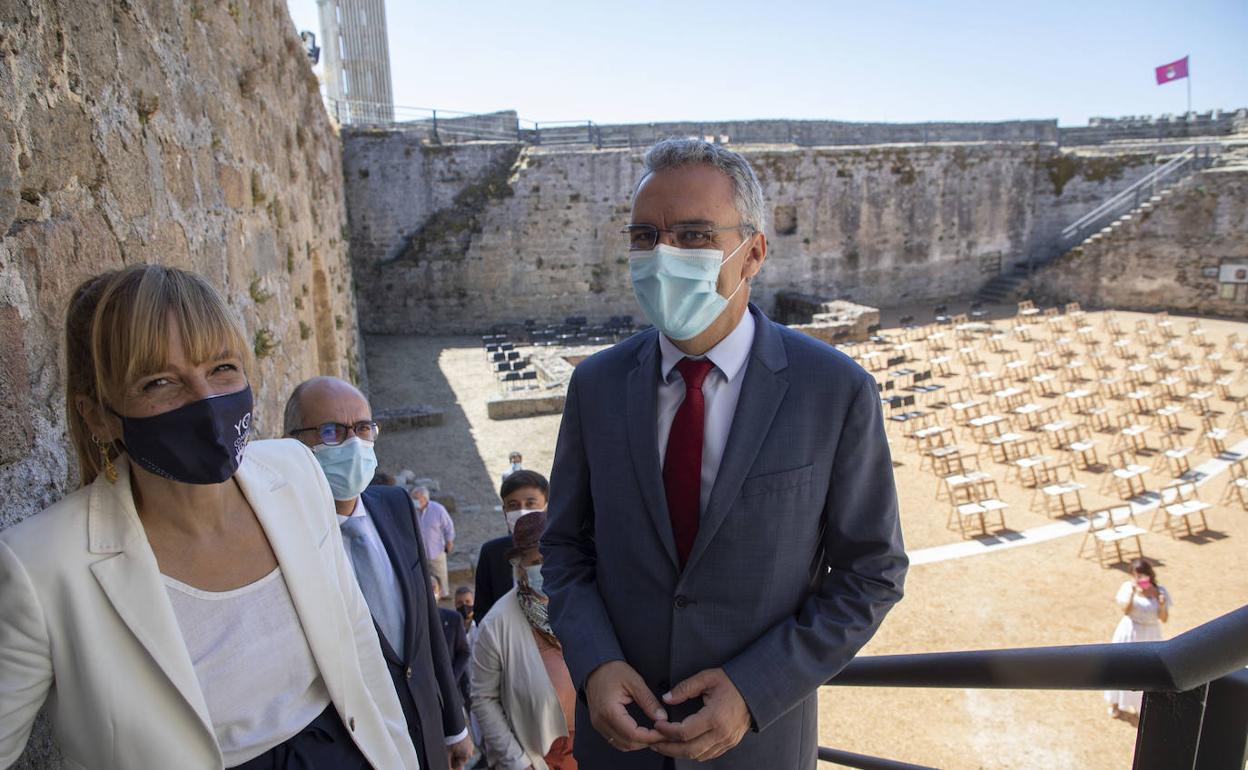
1040 594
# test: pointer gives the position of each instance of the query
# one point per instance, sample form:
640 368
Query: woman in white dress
1145 606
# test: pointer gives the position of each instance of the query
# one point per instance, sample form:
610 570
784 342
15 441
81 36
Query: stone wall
1075 181
454 239
1167 257
185 133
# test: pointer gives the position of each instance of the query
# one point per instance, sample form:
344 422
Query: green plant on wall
259 294
146 105
305 331
257 188
265 343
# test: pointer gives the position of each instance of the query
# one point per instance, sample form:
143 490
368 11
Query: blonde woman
191 605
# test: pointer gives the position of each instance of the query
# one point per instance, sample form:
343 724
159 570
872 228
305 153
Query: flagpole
1189 86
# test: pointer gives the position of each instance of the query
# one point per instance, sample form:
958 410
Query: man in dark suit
522 492
723 533
456 640
383 542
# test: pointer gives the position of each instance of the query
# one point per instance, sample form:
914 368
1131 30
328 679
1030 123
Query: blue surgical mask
533 574
348 466
676 287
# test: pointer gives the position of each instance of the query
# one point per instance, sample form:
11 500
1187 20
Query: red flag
1172 71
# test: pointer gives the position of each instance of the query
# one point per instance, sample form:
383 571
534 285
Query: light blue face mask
348 466
534 575
676 287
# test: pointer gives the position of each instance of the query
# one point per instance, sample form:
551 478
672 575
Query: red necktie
682 465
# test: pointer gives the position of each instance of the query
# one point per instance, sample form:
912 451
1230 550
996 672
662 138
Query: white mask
514 516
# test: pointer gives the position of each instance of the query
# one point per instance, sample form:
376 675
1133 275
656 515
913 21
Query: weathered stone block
510 407
16 433
235 186
406 417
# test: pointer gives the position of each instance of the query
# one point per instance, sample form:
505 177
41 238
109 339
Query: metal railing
1195 710
450 126
1185 162
442 125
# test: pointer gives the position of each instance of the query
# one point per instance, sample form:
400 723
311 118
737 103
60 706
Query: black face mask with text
199 443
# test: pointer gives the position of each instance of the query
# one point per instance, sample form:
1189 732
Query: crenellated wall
456 238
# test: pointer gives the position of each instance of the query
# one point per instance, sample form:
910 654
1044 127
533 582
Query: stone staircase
1005 288
1102 222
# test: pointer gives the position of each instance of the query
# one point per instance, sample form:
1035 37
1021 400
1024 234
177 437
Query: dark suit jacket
424 678
797 558
456 640
494 576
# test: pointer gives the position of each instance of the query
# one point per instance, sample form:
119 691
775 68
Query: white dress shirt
720 391
374 543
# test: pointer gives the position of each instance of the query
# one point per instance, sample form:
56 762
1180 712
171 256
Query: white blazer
86 623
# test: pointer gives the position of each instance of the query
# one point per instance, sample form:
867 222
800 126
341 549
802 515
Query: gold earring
110 471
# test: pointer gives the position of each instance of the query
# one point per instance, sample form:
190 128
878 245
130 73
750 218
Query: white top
1144 611
720 391
252 661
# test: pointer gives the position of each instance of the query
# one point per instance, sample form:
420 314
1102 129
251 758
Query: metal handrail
1200 655
1163 170
1177 676
1128 199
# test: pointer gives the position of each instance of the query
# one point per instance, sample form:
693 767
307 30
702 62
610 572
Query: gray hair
421 489
675 152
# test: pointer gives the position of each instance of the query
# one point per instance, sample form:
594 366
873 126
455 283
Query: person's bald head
324 399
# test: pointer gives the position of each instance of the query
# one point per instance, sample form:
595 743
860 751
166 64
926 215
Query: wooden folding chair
985 501
1083 448
1181 503
1127 479
1061 490
1113 526
1213 437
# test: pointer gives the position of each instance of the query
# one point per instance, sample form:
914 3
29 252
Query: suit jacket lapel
642 419
382 516
131 581
761 393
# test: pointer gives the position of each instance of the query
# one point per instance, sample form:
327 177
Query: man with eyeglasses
333 419
723 533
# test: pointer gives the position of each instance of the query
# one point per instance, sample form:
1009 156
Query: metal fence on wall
448 126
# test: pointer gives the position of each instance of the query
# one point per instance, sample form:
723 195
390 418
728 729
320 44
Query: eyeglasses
646 237
334 433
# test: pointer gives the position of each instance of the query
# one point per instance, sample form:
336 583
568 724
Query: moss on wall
447 234
1063 167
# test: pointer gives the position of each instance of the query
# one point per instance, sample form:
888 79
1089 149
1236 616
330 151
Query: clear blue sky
657 60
